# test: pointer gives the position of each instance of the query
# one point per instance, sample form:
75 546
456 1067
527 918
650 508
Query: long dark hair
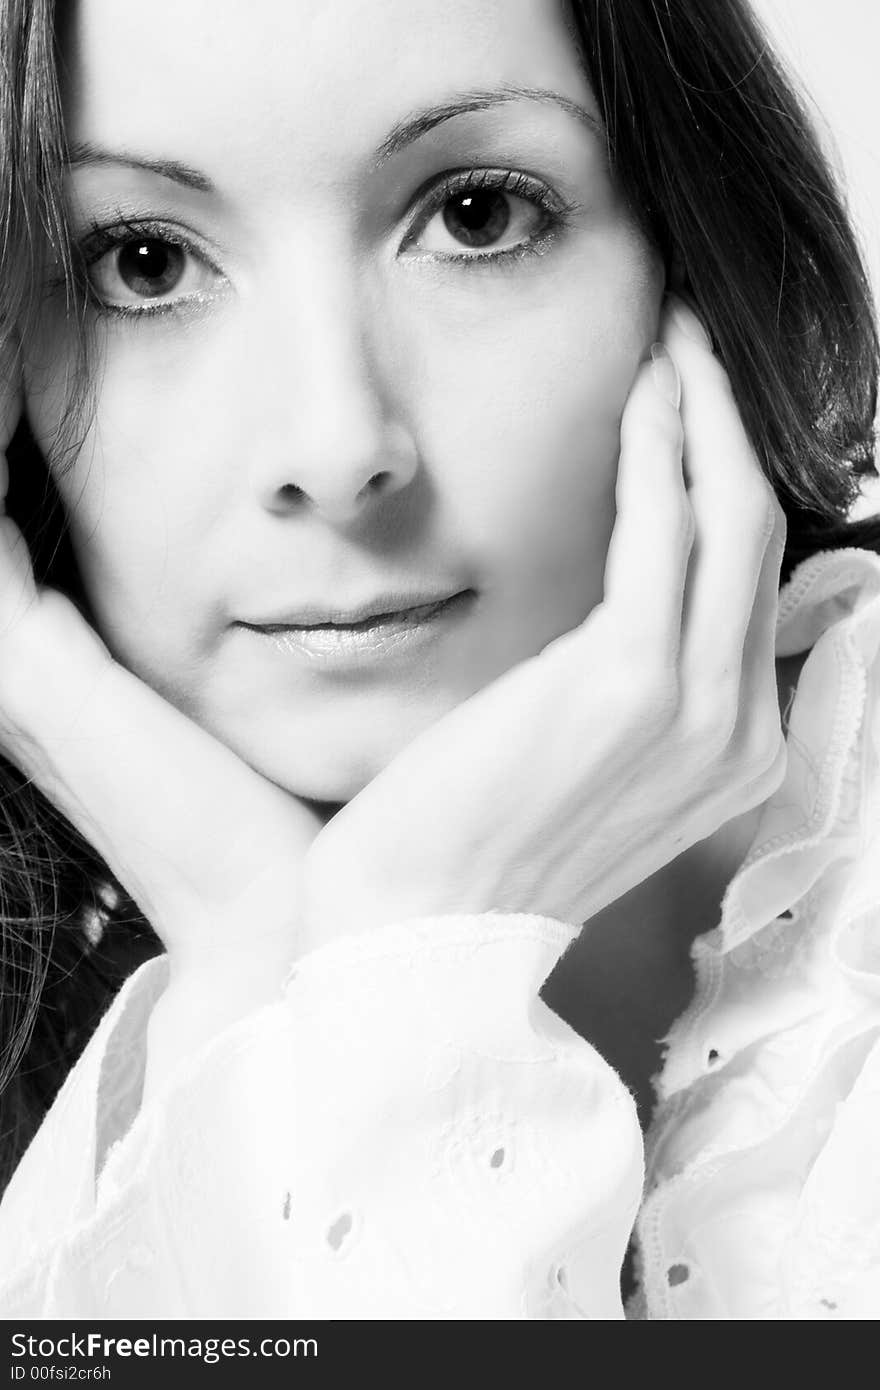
711 145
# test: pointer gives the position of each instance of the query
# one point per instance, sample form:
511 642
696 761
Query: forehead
215 76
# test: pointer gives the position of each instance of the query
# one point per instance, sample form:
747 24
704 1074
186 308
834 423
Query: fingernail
665 374
689 323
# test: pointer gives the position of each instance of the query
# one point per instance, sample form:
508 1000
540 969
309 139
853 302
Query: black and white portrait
439 660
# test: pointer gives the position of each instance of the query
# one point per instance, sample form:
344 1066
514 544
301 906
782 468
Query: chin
316 770
335 786
318 777
328 749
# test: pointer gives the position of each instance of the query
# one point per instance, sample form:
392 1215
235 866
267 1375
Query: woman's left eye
484 218
145 273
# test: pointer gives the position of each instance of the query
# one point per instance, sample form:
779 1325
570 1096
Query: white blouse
409 1131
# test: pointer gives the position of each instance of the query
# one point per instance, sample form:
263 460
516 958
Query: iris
477 219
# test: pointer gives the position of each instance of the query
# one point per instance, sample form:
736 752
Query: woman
394 341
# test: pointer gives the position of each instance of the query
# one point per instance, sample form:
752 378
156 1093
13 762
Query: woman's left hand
581 771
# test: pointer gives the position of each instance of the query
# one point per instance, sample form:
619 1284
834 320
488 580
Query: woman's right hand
210 850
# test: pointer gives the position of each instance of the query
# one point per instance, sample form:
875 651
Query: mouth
361 638
414 613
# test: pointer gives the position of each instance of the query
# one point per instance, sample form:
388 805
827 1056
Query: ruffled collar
787 996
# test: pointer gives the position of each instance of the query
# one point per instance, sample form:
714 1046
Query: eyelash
556 212
102 238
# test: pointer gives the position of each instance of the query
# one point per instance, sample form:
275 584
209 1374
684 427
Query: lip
322 615
365 639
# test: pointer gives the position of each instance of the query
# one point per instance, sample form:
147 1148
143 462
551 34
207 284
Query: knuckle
660 698
712 718
753 751
773 775
760 782
761 742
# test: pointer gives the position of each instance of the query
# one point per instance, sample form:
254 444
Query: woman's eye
148 268
482 220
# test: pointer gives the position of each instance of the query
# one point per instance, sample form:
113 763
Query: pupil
477 219
150 267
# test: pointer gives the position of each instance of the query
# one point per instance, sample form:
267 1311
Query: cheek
512 382
522 400
133 489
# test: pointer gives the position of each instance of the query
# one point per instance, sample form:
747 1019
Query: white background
833 48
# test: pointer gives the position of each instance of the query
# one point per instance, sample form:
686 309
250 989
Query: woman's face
370 331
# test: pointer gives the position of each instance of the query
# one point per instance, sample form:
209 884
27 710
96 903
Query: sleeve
408 1132
53 1186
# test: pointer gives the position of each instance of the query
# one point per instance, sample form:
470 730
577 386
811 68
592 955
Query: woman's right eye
149 273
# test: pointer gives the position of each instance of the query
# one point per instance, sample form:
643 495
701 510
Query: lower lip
376 639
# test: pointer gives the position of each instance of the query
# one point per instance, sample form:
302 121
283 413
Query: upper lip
321 615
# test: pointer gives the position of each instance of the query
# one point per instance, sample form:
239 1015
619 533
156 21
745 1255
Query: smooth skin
665 697
679 735
339 408
348 409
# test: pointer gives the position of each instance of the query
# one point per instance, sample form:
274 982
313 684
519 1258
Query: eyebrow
87 153
404 133
421 122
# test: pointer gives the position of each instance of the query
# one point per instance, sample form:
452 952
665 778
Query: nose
331 437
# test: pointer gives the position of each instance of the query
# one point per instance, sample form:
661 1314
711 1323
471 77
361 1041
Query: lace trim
841 770
771 945
427 935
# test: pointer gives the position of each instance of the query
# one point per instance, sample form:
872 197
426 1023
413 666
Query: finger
733 507
759 729
648 552
208 848
757 751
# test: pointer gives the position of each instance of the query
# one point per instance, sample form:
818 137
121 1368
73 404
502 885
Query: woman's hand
211 851
583 770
